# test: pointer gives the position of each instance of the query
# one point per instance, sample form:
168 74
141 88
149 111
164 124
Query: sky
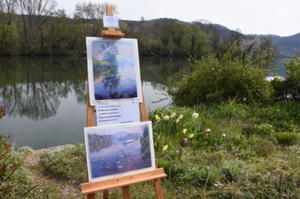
277 17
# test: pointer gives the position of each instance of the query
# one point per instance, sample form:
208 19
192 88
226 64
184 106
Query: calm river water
44 98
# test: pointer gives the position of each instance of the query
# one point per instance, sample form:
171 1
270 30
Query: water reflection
32 87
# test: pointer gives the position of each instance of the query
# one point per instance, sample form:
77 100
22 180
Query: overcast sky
280 17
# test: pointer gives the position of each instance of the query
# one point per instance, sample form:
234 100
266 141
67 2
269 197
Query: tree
8 6
88 10
199 45
33 14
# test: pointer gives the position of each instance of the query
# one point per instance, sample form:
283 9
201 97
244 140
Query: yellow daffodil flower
157 117
165 148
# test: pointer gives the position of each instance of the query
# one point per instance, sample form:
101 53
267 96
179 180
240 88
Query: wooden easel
90 188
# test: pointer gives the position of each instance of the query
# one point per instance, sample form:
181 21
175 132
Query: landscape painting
113 70
119 149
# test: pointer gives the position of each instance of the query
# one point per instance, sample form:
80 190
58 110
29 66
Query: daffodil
173 114
177 120
195 115
184 131
166 117
165 148
180 117
157 117
191 135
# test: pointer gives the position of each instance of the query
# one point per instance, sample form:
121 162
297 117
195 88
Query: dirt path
64 189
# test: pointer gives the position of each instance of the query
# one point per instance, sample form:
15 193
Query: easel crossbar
92 187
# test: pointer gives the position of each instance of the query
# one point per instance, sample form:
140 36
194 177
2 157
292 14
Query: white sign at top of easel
110 21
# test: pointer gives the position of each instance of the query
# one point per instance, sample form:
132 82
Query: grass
224 151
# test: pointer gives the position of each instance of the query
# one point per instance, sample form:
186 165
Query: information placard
117 113
110 21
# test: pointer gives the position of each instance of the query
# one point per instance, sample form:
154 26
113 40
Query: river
45 98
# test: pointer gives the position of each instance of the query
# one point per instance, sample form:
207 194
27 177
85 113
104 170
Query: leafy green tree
200 44
9 39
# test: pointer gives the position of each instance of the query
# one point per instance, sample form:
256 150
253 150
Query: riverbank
208 151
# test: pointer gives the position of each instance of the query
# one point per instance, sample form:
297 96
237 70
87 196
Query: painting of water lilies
113 70
119 149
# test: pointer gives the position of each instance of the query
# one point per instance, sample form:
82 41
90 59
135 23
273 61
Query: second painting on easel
119 149
113 71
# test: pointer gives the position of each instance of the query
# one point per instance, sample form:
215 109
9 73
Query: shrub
216 80
67 164
14 182
259 129
290 87
287 139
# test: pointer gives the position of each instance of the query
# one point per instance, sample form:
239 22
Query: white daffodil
166 117
195 115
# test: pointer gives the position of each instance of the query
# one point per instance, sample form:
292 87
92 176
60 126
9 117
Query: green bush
287 138
289 88
67 164
259 129
14 181
216 80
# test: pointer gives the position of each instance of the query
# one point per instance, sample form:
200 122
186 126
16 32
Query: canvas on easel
113 71
119 149
124 182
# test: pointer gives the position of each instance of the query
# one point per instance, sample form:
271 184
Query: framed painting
113 71
118 150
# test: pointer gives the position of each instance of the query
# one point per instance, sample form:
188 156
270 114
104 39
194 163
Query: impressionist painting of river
117 150
115 68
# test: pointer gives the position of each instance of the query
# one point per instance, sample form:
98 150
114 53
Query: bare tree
8 6
88 10
36 7
33 14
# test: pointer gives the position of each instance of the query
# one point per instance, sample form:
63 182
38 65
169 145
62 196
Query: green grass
229 151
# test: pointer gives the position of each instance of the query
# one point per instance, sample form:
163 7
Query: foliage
281 115
14 181
2 113
259 129
287 138
27 29
217 80
66 164
289 88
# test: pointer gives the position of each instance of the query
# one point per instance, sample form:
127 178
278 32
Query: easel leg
105 194
91 196
126 193
158 190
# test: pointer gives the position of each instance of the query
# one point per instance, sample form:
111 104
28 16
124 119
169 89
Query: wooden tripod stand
90 188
